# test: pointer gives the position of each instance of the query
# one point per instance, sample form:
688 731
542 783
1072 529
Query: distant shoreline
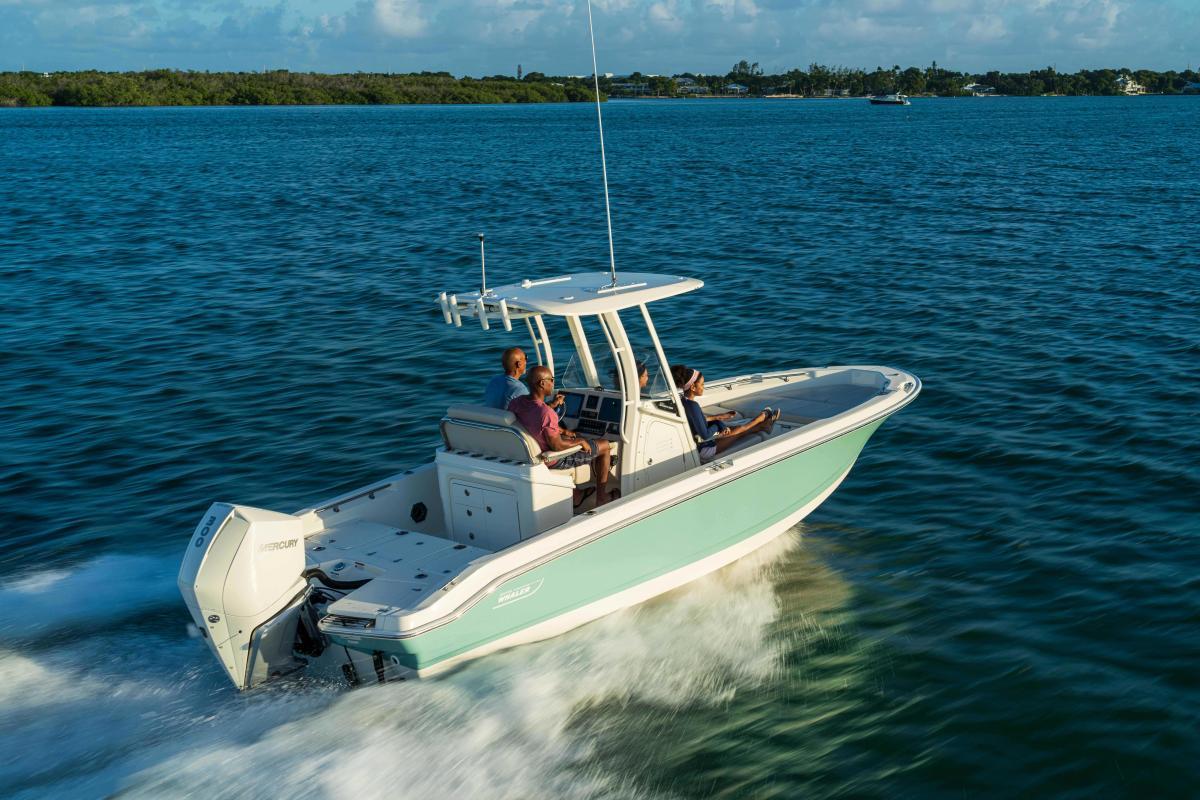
171 88
278 88
866 96
620 100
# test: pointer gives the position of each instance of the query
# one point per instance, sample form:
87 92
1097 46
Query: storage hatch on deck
403 567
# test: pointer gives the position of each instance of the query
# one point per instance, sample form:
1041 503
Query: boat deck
802 399
403 567
399 569
800 405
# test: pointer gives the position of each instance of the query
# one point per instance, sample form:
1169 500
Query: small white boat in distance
890 100
481 548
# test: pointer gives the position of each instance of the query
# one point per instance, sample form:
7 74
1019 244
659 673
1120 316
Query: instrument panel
593 413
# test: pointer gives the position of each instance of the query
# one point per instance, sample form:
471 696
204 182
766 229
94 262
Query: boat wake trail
109 587
500 725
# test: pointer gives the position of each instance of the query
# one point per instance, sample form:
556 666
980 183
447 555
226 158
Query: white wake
498 727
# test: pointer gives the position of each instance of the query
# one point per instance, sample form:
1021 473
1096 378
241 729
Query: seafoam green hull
664 542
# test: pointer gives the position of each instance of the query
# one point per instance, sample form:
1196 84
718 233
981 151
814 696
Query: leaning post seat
491 432
496 488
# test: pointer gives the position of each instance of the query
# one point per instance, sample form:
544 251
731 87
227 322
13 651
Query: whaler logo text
519 593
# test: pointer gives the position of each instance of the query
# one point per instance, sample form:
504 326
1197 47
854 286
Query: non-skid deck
404 567
802 399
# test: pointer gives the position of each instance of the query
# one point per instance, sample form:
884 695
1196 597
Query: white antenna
483 290
612 259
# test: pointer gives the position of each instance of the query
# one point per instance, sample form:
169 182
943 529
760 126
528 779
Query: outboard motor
243 582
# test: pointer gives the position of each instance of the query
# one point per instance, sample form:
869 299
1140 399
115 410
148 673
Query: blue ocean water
236 303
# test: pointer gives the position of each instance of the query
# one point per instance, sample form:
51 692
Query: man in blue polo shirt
503 388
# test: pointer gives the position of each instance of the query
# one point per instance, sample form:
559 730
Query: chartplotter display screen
572 405
610 409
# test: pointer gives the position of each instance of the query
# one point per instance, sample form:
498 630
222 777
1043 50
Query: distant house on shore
979 89
627 87
735 88
1127 85
1191 87
689 86
835 93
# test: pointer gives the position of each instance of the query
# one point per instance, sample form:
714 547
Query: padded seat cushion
485 414
490 432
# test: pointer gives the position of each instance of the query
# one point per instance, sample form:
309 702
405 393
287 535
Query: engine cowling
243 582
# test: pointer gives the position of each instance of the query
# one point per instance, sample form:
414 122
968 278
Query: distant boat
890 100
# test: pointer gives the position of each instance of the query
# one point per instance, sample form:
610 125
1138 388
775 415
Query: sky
488 37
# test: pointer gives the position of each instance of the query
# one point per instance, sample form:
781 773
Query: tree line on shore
163 87
820 80
280 87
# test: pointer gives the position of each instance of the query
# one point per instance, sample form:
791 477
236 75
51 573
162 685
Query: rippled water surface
1002 599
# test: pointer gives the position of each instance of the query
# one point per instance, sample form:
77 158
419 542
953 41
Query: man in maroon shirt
542 423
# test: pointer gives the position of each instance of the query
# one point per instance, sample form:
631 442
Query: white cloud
1093 22
948 6
986 28
401 18
734 9
489 36
666 16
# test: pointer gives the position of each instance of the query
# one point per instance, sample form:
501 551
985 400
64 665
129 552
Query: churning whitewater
162 722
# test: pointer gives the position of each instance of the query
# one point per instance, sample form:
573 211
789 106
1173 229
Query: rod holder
504 314
481 310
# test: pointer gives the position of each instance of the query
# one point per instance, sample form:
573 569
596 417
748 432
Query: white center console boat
482 549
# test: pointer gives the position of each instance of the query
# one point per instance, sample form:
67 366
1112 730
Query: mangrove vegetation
165 87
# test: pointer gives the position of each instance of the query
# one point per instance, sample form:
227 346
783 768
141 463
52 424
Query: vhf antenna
612 259
483 290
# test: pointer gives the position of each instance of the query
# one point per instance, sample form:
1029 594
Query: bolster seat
491 432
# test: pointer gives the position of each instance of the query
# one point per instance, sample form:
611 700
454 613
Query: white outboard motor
243 582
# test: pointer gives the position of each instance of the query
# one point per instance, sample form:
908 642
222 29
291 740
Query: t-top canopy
582 293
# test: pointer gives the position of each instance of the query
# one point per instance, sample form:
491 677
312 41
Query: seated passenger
504 387
643 376
501 389
714 434
542 423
